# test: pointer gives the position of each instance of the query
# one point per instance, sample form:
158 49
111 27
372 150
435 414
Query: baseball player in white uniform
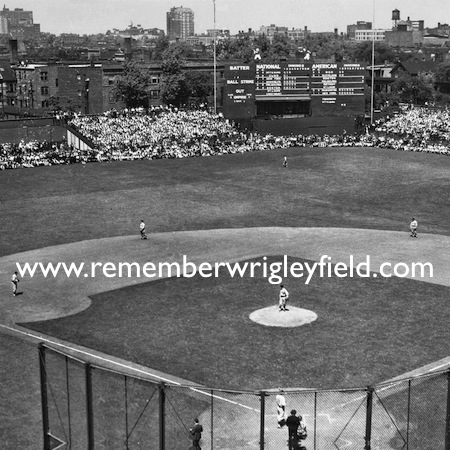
142 230
413 227
281 408
284 297
14 283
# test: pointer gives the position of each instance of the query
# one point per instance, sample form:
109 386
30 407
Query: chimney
127 48
13 52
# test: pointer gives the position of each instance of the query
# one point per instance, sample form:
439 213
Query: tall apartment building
18 23
3 25
17 17
180 23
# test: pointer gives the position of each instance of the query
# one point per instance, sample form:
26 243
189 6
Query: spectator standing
293 423
196 433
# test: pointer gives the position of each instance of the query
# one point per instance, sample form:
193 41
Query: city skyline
98 16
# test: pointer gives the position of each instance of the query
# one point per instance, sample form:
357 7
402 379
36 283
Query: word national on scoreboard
293 89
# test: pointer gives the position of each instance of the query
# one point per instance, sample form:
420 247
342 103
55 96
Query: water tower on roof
395 17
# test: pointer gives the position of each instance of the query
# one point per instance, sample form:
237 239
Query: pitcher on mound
284 297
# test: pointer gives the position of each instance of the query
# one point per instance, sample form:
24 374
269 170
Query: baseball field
340 202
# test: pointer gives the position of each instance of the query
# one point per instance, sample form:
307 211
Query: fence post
315 419
212 419
368 436
44 397
162 411
447 425
126 411
262 400
89 408
408 418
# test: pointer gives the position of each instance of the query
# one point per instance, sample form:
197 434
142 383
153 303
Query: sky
98 16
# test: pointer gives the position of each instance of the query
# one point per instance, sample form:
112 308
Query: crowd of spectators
170 133
415 129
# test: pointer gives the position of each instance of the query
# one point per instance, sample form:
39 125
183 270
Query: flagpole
215 61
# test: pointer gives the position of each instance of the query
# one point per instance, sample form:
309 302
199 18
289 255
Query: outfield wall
305 125
14 131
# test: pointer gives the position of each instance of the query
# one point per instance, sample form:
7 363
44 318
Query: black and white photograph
225 225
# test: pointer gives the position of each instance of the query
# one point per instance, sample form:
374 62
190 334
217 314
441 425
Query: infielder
413 227
284 297
14 282
142 230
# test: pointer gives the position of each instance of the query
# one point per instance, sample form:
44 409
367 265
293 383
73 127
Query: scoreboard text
331 88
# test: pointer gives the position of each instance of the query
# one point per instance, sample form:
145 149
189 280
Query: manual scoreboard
326 88
282 79
239 92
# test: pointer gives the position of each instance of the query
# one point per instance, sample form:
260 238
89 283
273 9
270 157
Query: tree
64 104
161 45
262 42
281 47
239 49
416 90
200 86
133 86
363 53
174 90
443 72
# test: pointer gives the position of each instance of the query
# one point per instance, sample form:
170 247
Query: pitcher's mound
293 317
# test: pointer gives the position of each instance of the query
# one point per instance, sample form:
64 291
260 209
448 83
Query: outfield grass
357 188
368 330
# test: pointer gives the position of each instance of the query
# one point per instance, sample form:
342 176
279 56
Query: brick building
7 88
79 87
86 88
360 25
35 84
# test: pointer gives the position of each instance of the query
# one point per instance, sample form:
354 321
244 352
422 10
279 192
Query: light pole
3 100
215 60
373 64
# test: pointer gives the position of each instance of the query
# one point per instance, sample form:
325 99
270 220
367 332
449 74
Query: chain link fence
87 406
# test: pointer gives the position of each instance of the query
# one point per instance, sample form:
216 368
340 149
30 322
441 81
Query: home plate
273 317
